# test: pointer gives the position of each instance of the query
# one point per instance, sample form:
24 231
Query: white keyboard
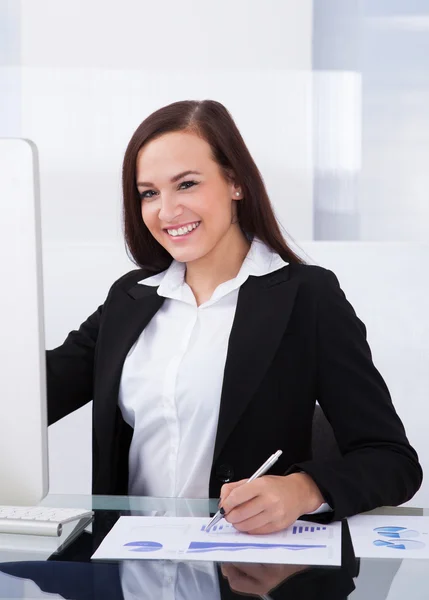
38 520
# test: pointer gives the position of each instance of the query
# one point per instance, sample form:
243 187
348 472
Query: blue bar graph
298 529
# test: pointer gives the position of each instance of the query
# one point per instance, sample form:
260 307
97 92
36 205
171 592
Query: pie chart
143 546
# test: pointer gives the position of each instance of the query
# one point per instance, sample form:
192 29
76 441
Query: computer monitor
23 414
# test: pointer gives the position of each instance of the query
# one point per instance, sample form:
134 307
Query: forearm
365 479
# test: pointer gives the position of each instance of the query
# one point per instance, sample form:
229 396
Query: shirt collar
260 260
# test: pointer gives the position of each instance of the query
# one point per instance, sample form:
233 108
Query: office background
332 98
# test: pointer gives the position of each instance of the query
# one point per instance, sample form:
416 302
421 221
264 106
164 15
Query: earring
237 193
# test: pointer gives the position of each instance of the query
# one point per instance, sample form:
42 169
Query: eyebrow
172 180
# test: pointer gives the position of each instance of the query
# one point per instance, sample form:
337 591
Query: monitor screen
23 419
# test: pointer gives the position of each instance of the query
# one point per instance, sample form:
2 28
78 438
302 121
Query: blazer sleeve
378 466
70 369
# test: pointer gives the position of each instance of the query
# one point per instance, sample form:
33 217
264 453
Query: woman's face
186 202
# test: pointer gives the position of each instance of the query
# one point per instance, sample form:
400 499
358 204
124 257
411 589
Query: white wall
90 73
381 194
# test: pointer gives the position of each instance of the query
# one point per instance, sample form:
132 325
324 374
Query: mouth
185 231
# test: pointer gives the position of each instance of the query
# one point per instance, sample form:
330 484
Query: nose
170 209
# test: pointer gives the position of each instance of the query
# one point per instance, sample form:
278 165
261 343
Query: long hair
212 122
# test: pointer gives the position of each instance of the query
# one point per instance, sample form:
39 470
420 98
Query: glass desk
71 574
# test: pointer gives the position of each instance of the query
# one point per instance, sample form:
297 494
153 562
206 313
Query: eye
187 184
147 194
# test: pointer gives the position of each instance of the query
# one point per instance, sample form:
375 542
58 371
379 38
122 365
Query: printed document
384 536
186 538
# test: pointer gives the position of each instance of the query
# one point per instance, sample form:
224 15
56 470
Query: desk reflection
170 580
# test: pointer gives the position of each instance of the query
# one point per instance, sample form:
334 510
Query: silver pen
262 469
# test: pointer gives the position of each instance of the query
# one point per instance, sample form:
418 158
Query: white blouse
172 381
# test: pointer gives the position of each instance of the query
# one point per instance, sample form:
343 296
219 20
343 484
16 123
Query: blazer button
225 473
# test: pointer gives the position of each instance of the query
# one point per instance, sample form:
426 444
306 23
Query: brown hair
211 121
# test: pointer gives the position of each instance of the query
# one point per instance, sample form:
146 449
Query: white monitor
23 418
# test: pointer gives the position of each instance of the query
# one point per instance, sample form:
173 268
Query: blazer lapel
131 312
263 310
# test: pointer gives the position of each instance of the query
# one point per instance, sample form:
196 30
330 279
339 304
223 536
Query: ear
235 187
237 193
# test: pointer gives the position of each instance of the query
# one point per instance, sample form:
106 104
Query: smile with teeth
183 230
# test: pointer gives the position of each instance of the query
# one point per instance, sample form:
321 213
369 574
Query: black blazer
295 339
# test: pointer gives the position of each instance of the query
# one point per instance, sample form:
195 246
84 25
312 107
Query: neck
221 264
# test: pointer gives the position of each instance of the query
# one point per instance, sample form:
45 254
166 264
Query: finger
240 494
253 571
269 527
245 583
255 523
242 580
245 511
224 567
274 524
230 570
227 488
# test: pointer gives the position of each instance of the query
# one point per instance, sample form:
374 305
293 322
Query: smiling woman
193 213
187 163
211 355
